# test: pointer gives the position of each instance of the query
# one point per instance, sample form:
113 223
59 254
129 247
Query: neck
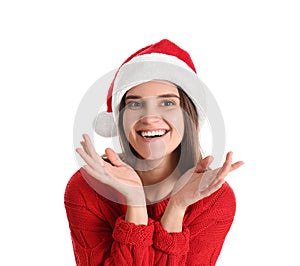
159 176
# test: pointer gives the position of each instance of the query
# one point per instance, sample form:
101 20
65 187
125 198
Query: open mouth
152 133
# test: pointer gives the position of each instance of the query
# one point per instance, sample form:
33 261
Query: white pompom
104 125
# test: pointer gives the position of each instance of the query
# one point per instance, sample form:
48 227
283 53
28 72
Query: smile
152 133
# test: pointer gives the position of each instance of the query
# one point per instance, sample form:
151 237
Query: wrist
172 218
175 209
177 205
137 215
136 207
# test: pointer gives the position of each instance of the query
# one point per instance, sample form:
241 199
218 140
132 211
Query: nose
150 114
149 119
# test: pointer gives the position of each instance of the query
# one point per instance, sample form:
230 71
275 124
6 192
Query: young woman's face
153 119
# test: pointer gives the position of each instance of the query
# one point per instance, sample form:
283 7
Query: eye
134 105
167 103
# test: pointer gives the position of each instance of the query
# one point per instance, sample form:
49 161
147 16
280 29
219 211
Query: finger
89 146
101 160
228 158
92 172
203 164
219 179
208 178
213 188
113 157
83 146
225 169
236 165
218 185
87 158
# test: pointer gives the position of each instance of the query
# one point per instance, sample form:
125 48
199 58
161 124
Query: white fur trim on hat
145 68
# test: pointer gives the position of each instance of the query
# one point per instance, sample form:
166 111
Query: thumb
203 164
113 157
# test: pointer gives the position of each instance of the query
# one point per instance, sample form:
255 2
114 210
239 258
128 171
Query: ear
104 125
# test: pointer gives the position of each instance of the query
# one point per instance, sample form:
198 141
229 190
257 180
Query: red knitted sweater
101 236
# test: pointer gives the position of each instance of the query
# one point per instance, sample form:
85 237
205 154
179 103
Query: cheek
175 118
129 119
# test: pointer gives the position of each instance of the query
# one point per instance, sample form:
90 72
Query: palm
116 174
198 183
122 174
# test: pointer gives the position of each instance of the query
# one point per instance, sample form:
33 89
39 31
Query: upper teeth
153 133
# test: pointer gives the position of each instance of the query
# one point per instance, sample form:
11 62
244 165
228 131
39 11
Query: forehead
153 88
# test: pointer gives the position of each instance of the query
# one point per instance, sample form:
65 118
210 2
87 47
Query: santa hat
163 60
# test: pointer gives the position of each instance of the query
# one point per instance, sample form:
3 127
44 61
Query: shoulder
77 191
85 191
225 194
222 200
221 203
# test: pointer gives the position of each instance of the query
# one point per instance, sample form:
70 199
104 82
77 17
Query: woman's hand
118 174
198 182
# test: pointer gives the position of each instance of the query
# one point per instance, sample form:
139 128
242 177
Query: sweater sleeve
172 248
98 238
205 227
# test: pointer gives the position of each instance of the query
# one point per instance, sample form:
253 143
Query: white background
246 52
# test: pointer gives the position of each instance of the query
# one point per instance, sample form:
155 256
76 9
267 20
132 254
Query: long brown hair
189 149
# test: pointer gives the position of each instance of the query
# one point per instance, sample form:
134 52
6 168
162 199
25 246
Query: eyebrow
170 95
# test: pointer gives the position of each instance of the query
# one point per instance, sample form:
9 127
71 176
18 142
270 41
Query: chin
153 156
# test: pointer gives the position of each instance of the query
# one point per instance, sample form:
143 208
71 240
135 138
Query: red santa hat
163 60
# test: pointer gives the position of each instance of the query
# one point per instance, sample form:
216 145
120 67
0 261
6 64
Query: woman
157 203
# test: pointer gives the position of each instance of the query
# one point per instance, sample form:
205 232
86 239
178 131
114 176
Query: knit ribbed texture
101 236
174 243
129 234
